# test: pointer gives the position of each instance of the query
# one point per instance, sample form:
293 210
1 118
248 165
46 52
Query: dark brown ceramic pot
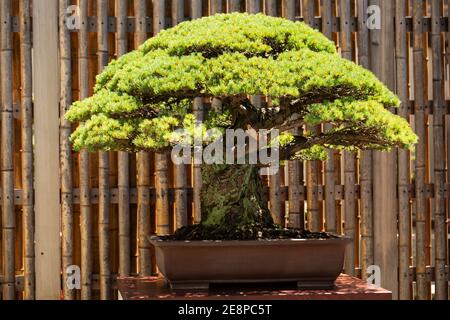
196 264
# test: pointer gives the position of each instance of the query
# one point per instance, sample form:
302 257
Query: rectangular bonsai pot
312 264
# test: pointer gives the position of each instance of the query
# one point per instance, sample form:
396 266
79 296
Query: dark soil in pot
200 232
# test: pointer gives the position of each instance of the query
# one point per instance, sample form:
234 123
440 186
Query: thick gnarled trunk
232 197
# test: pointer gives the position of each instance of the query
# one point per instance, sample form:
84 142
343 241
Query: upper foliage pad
141 98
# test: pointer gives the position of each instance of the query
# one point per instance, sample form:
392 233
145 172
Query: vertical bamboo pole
274 179
123 158
428 148
74 160
85 199
288 9
440 220
113 174
308 11
46 148
422 291
296 206
143 211
233 5
181 200
27 149
143 165
270 7
312 167
16 87
349 157
177 12
384 163
330 202
365 178
122 28
103 165
65 151
161 165
159 17
196 9
275 199
162 194
215 6
253 6
447 130
299 222
336 155
315 9
198 110
161 161
180 176
295 168
404 220
7 165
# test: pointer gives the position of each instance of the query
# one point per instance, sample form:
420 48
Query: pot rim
157 241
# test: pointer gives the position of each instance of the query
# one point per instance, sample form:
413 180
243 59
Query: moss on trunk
232 198
233 208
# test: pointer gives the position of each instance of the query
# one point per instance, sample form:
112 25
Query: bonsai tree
143 99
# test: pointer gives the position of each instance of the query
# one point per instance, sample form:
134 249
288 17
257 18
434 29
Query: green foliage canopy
141 98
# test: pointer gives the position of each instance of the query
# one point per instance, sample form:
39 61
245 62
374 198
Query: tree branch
361 138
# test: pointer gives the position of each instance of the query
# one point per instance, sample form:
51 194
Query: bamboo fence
394 205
